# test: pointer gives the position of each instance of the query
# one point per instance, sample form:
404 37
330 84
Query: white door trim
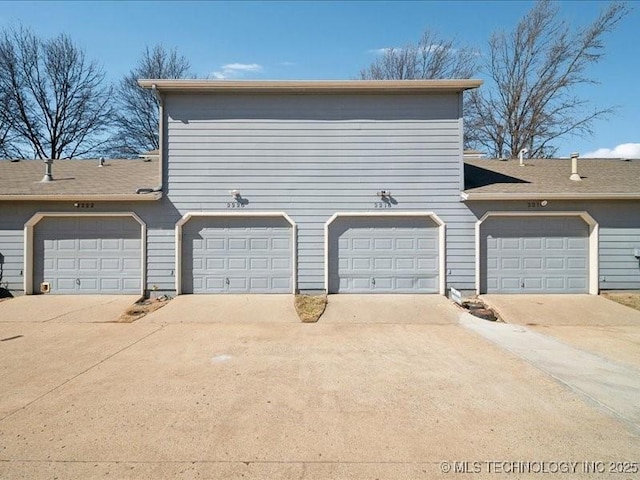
37 217
189 215
441 239
593 240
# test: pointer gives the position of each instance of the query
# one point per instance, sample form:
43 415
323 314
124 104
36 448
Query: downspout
159 188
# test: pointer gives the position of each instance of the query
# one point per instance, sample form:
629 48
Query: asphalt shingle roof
551 176
78 177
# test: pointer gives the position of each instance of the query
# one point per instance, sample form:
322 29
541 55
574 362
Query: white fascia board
471 196
132 197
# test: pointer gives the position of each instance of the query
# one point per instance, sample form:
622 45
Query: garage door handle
77 281
373 282
226 280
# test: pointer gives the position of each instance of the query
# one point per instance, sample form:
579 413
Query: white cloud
287 64
234 70
380 51
624 150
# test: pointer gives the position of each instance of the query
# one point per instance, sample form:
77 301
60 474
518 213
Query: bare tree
137 118
57 104
431 57
530 100
6 138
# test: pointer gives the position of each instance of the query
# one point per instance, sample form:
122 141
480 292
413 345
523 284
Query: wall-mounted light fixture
234 194
383 194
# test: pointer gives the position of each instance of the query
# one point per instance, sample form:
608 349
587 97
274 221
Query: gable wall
314 155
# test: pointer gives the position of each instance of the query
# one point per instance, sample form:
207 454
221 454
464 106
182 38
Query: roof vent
521 155
48 175
101 162
574 167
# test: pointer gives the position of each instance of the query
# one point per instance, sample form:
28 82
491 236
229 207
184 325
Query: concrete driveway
588 322
234 309
282 400
397 309
65 308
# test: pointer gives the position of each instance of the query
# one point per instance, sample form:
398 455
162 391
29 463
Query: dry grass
629 299
310 307
140 309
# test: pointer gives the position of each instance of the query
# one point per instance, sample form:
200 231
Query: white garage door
535 255
88 255
383 255
237 255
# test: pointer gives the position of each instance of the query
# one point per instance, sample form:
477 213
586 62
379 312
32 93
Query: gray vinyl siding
619 234
159 217
312 156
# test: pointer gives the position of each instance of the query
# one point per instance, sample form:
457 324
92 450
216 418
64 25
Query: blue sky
326 40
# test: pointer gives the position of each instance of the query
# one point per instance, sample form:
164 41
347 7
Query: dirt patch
628 299
142 308
310 307
478 308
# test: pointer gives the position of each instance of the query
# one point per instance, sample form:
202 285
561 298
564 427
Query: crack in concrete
90 307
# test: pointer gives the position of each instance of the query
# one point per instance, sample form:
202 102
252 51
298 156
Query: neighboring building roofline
132 197
311 86
471 196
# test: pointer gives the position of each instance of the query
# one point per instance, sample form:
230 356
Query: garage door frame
441 226
593 241
189 215
37 217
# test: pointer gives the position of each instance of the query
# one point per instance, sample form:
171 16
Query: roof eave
305 87
484 196
128 197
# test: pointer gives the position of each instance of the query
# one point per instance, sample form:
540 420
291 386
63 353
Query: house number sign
382 204
235 205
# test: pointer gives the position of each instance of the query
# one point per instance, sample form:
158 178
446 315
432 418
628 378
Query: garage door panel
510 244
510 263
535 255
280 284
88 244
213 285
577 283
405 244
383 255
428 244
88 255
259 244
428 264
89 285
509 283
237 255
555 283
65 244
281 244
532 263
237 243
67 264
64 285
283 263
